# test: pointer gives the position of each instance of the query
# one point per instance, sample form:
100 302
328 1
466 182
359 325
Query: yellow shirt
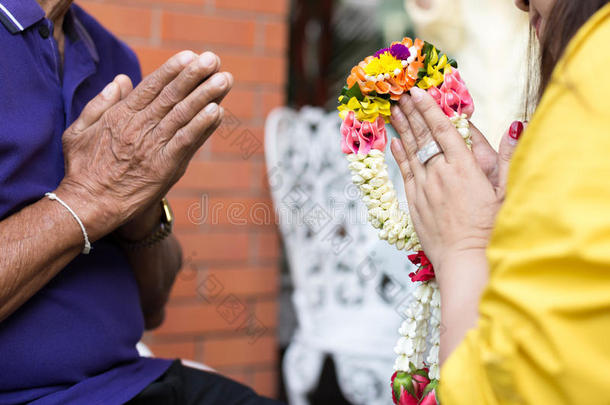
544 331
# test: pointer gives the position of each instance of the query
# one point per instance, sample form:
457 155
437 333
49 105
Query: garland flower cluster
364 106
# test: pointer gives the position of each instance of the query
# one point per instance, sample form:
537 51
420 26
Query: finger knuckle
206 92
180 113
169 97
182 140
147 90
405 169
174 64
440 126
193 72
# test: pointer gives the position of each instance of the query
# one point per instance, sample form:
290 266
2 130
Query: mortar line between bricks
177 45
199 338
191 230
255 298
264 197
216 334
220 263
199 349
208 8
216 46
155 27
197 194
259 35
228 13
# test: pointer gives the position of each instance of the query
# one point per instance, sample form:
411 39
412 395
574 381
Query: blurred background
284 286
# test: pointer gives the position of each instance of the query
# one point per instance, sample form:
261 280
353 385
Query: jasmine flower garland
372 86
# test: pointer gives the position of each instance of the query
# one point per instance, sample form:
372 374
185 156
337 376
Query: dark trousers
182 385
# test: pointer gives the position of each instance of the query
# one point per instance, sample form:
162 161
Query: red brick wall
223 307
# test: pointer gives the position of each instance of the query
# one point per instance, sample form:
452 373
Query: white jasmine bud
356 179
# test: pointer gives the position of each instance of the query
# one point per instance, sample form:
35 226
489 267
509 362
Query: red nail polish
516 128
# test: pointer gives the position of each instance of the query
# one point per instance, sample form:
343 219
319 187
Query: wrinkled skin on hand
129 147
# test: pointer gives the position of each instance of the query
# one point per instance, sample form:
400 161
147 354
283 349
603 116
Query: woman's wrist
471 262
461 280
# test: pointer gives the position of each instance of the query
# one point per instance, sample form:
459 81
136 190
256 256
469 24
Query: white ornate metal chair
349 287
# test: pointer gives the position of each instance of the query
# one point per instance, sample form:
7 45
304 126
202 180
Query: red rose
425 270
420 383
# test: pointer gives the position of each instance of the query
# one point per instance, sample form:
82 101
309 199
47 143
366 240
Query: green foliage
347 94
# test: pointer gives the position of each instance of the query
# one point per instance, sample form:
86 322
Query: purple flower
381 52
400 52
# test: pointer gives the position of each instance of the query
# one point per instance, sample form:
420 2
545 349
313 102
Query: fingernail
219 80
186 57
417 94
109 90
211 108
515 131
207 59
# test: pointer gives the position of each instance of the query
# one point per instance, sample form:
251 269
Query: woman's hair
566 17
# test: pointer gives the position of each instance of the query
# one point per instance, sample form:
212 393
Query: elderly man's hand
129 147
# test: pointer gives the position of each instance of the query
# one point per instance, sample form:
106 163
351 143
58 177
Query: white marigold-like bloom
408 327
404 346
434 372
433 354
401 363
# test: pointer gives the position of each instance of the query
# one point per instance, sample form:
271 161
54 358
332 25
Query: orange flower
395 85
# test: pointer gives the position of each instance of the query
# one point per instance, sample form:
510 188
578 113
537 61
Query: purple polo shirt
74 341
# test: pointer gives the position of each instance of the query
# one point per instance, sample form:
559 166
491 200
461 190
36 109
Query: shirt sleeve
544 325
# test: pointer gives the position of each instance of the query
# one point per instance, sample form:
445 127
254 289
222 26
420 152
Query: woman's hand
453 198
129 147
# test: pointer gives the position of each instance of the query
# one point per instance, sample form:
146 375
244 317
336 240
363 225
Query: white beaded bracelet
87 247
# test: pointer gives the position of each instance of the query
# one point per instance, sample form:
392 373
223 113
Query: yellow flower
385 63
435 73
366 110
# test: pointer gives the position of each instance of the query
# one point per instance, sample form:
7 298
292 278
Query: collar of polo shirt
19 15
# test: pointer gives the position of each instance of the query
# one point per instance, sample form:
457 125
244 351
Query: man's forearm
461 281
155 268
35 244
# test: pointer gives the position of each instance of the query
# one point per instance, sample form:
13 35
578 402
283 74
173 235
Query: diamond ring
428 152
